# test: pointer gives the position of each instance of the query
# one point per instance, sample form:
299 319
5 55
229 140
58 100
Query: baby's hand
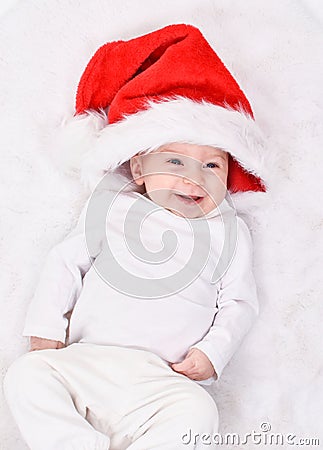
37 343
195 366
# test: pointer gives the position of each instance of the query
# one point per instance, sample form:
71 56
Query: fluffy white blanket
274 51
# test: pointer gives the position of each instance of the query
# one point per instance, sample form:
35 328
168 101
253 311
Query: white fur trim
91 146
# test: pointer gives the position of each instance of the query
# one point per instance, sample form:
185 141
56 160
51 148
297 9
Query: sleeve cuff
56 334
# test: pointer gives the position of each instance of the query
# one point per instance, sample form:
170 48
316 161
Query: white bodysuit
137 275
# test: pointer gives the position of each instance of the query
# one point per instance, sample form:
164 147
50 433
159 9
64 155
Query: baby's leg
107 397
186 418
43 406
165 410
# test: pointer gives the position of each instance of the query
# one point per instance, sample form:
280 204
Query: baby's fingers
37 343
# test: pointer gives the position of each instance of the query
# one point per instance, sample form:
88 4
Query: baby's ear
136 169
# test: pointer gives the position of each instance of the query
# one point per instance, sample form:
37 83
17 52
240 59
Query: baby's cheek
220 190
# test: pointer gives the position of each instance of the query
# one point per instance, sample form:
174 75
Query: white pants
87 396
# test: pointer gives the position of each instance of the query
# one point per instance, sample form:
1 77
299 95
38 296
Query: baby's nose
194 179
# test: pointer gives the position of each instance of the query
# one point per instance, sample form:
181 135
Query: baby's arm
237 306
59 287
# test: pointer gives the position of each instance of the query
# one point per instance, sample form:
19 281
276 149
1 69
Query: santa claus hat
162 87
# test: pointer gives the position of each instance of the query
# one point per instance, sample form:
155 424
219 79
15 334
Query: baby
172 179
148 327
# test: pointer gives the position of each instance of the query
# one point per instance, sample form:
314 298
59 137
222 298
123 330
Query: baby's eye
175 159
214 165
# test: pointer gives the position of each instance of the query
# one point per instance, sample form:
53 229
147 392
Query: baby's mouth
190 200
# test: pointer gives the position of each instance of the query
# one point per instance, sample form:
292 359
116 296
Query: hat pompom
74 140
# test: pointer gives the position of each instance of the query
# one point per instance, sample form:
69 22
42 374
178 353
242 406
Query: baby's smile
190 199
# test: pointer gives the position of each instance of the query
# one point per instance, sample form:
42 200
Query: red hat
166 86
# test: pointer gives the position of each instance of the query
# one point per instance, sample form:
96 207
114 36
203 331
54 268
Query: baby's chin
190 214
185 215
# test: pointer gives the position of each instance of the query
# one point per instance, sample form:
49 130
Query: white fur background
274 49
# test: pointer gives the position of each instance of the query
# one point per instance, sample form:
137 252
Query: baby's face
187 179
